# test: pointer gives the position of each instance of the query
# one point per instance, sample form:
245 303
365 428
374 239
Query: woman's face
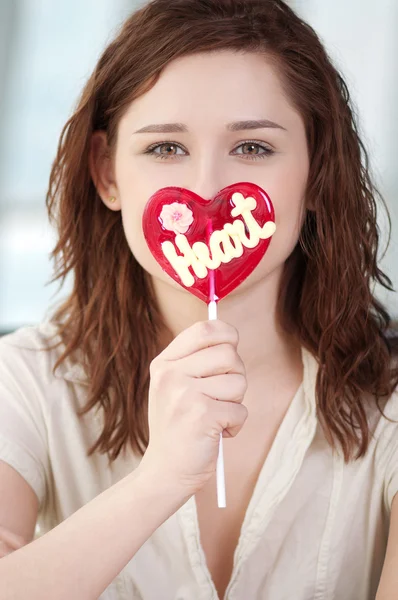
179 133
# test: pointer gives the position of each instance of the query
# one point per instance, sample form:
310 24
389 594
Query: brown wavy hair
111 316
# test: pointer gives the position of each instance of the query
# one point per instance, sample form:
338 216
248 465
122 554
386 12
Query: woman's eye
165 150
253 150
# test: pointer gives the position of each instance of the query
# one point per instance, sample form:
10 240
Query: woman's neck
252 310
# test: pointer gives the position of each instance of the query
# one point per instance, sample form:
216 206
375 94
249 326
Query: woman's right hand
196 390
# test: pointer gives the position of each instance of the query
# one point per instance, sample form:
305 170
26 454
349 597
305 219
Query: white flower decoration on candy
176 217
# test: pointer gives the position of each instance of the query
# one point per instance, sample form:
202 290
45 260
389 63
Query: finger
12 539
216 360
200 335
227 416
227 388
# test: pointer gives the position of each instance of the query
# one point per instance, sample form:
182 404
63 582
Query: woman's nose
208 180
207 188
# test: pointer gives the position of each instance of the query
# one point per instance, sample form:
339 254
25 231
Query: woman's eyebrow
236 126
252 124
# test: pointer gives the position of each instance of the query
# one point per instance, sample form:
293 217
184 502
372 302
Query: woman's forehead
218 87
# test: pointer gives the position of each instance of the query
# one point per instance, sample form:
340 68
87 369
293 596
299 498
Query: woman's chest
316 531
318 534
220 529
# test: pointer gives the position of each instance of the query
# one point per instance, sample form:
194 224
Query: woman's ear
102 170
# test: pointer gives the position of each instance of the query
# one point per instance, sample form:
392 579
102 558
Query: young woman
111 409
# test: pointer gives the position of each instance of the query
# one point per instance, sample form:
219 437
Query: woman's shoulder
32 351
32 337
386 448
391 405
35 402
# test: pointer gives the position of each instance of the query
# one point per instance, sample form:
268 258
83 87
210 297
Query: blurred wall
47 50
361 37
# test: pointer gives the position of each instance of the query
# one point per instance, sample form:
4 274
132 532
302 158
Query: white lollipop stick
222 503
212 314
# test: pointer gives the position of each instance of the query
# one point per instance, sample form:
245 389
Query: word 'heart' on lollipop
191 237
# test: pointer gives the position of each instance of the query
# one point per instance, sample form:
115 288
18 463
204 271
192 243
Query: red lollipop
196 241
209 246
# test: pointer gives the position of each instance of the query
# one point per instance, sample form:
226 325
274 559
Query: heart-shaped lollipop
209 246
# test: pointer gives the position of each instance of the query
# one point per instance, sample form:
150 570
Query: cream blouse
315 528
